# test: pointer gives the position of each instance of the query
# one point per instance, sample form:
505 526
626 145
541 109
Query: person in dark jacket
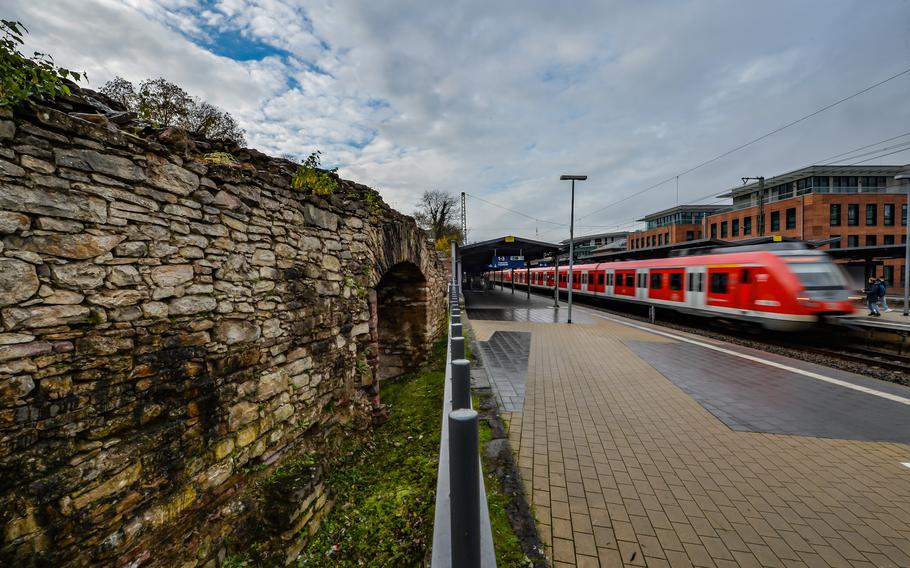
882 290
872 291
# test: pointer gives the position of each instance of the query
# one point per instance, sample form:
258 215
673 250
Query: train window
600 279
690 282
701 282
630 280
719 282
655 281
744 277
675 281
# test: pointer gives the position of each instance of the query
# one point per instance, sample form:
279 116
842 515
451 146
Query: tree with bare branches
437 213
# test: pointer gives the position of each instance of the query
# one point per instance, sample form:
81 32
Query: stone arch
402 337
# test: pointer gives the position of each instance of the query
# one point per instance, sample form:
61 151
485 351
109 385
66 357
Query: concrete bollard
457 348
464 490
456 330
461 384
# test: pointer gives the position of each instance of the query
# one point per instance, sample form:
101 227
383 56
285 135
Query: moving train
780 290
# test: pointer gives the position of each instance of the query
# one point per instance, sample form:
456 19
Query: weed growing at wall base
384 488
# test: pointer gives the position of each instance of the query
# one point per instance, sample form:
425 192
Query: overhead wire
751 142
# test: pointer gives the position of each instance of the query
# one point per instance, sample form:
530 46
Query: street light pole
905 176
571 178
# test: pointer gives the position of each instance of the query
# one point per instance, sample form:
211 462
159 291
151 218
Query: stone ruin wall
170 325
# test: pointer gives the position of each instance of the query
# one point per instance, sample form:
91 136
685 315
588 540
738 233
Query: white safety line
810 374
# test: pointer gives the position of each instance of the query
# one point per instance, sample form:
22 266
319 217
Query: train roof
721 256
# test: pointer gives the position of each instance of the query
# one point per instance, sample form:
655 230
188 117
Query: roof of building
615 234
809 171
476 256
684 209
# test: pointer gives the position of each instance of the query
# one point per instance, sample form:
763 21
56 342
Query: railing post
457 348
464 463
456 330
461 384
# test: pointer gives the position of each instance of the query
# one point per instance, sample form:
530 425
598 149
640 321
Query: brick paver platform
623 468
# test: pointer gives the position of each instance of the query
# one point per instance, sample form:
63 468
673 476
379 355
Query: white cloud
497 99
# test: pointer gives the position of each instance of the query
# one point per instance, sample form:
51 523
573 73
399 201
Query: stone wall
175 322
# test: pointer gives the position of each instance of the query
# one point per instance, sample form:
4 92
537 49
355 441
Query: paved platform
644 449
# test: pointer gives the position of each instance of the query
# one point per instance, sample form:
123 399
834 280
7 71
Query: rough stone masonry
174 314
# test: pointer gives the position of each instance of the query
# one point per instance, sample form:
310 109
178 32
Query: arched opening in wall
401 314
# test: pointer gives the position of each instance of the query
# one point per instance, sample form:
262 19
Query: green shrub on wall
310 176
22 79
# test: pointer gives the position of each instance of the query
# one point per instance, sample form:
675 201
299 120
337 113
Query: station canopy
476 258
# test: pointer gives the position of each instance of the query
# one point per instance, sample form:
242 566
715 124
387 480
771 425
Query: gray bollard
461 384
455 318
456 330
457 348
464 490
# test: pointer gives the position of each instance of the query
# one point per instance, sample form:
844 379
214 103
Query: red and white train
783 290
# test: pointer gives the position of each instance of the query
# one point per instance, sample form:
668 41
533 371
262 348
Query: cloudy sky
499 98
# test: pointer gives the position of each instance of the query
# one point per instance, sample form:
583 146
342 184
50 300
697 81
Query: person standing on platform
882 289
872 291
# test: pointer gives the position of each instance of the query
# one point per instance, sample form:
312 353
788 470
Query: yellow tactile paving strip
624 469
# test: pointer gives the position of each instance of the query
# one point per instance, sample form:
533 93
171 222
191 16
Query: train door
746 290
600 285
576 279
608 287
695 286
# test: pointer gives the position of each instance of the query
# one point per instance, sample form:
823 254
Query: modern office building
673 225
853 206
585 245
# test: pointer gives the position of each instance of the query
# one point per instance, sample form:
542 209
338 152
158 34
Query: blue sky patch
233 44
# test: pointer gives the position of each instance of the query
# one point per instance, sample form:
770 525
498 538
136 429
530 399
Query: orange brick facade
666 235
809 217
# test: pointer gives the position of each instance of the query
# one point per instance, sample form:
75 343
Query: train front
822 287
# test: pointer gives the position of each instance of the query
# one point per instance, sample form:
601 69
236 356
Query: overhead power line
751 142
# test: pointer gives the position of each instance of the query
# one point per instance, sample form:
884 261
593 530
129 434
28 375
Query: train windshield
820 279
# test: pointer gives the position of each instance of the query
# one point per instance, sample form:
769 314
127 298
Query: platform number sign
501 262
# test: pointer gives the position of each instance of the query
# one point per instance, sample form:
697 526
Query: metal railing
462 536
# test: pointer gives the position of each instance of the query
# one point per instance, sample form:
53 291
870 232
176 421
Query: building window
889 215
871 214
747 226
690 235
714 229
846 184
853 214
852 241
871 240
660 240
888 275
835 244
666 238
723 229
791 218
775 221
804 186
834 218
888 240
904 215
735 228
821 183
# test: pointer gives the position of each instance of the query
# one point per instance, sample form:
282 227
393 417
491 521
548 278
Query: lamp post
905 176
573 179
